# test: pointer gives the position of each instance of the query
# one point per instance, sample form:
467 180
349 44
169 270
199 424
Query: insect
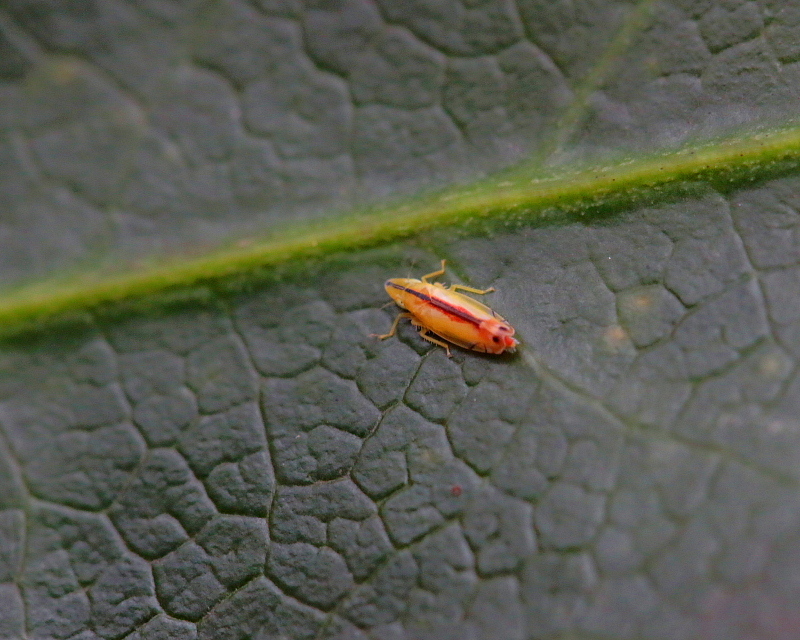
438 309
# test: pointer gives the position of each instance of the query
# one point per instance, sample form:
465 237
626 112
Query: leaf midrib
524 195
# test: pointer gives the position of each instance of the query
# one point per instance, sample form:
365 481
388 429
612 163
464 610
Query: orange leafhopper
438 309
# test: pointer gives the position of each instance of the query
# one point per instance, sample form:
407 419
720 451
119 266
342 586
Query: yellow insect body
436 308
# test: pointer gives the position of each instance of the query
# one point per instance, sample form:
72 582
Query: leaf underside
250 463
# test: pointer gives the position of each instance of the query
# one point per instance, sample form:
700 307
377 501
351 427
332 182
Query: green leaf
208 443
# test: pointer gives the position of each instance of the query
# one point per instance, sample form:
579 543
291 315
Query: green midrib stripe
726 161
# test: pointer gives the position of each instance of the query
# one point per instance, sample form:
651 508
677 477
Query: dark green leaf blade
249 463
138 129
632 472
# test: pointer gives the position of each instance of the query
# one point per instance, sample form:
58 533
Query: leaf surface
246 462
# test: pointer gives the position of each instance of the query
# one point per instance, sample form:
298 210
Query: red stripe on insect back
456 312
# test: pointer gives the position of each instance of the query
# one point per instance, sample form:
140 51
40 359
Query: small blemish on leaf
616 337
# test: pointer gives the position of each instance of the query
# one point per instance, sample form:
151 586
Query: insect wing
450 315
476 309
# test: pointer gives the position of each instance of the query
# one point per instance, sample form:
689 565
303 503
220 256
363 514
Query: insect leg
461 287
393 330
424 334
434 273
